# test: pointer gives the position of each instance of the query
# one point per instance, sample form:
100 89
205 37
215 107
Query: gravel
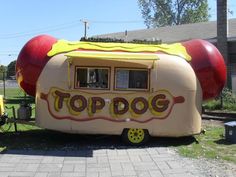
216 168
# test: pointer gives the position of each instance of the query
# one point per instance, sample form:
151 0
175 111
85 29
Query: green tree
159 13
11 69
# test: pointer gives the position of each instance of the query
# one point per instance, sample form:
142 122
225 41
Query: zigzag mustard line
65 46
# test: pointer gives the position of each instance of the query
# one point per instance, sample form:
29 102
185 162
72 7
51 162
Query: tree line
8 71
159 13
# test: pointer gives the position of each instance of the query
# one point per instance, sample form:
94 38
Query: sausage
208 65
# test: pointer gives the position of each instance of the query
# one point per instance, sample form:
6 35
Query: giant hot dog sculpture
184 74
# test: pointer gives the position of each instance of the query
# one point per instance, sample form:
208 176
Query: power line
7 54
41 30
63 26
9 51
45 28
112 22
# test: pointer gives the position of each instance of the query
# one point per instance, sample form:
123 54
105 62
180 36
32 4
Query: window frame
93 67
132 89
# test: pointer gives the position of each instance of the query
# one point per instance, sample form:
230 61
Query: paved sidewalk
92 162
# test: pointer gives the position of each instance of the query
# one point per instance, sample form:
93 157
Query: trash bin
230 131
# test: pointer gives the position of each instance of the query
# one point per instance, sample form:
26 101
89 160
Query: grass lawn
210 145
13 97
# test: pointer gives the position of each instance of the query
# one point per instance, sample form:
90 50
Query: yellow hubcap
136 135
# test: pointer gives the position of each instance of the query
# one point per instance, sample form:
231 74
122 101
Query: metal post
221 101
14 118
4 86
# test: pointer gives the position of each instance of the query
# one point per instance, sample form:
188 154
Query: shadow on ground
36 141
224 142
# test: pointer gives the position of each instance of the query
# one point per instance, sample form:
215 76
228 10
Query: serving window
131 79
92 77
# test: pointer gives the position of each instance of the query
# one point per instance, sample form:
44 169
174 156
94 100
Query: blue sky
23 19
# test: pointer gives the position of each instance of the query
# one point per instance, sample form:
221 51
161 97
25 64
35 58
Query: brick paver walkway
146 162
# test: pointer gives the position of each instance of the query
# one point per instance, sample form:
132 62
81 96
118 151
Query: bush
228 101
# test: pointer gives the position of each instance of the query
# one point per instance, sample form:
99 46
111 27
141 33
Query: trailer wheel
135 136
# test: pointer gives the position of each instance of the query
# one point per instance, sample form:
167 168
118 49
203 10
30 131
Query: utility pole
222 43
85 27
222 34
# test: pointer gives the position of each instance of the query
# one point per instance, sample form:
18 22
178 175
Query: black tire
135 136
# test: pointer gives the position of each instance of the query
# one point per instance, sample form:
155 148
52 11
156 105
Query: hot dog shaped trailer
133 90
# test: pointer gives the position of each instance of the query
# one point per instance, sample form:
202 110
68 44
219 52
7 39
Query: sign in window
131 78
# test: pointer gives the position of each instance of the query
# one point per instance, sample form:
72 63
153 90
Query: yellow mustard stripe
63 46
112 55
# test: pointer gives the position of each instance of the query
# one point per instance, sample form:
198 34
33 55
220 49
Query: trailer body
100 88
